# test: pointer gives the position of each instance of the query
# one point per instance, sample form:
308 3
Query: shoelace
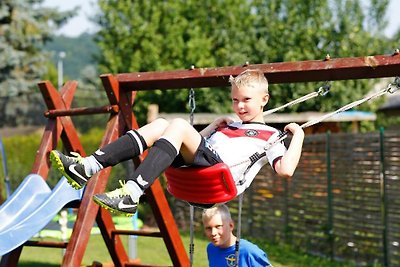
78 158
119 192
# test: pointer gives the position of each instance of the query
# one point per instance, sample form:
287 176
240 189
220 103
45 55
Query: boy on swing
177 143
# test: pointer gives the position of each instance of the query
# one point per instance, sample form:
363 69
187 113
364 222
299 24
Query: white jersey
238 141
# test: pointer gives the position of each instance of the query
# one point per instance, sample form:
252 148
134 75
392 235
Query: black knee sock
160 157
126 147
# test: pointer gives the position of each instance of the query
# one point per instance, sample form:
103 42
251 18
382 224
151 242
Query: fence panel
355 164
392 175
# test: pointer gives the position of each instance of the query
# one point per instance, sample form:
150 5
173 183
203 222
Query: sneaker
71 167
117 201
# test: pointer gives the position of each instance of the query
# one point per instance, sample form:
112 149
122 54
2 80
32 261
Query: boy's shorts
205 156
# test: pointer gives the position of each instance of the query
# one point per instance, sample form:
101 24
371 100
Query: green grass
153 251
150 250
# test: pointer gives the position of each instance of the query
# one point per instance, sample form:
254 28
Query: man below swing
221 251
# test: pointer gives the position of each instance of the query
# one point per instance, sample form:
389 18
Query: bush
21 151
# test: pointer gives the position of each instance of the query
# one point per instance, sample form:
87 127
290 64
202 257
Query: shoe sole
114 211
57 163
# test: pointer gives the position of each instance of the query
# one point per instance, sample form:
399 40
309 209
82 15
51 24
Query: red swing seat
203 185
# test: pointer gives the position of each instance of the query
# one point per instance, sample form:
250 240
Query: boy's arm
219 122
287 164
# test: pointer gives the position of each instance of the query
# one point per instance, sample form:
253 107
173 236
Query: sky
81 22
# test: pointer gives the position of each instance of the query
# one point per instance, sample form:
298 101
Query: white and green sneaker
71 167
118 201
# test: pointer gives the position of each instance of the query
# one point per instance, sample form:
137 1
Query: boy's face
248 103
218 231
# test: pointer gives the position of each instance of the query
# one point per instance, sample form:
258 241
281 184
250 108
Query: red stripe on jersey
233 132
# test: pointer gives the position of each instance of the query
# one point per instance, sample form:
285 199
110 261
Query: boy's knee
179 122
161 122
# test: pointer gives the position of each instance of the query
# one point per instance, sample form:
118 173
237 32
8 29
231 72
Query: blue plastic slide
30 208
30 194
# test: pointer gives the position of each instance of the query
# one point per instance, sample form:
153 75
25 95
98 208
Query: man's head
249 94
218 226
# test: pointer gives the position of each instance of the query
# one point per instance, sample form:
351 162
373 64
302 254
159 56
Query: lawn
152 251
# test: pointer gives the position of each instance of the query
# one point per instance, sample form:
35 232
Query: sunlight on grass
150 250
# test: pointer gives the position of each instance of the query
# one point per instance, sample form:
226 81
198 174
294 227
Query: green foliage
79 52
285 255
24 28
310 30
388 122
79 64
21 151
138 36
157 35
90 93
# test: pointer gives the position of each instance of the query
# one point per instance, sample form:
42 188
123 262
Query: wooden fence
343 201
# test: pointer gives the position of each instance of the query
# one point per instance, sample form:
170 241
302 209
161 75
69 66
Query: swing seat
203 185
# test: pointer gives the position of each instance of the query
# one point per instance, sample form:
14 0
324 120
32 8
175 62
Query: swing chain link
324 89
394 86
192 105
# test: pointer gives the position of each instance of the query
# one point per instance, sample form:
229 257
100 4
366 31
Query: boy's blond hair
251 77
222 210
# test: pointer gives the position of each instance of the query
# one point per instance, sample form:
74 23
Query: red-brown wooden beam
156 197
61 101
167 225
103 218
123 99
137 232
45 244
55 128
89 211
282 72
113 109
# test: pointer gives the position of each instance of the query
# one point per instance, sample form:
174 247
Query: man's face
218 231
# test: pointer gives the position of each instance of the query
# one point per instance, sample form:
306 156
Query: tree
159 35
303 30
165 35
90 93
24 28
80 51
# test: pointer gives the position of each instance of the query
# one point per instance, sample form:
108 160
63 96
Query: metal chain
192 105
238 230
323 90
391 88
